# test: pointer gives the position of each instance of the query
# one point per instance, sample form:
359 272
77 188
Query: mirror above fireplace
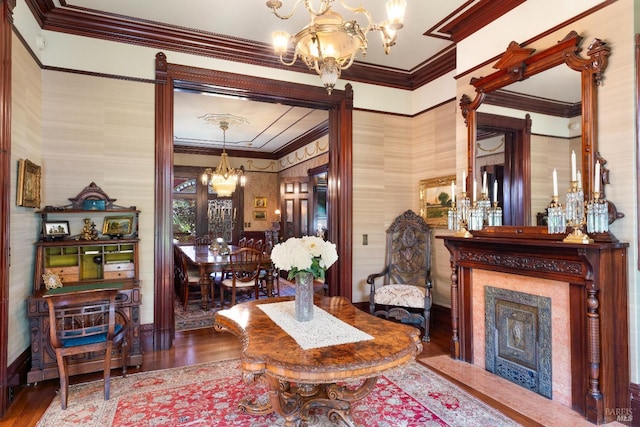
518 64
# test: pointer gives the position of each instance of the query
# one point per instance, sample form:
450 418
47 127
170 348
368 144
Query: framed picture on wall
435 200
28 191
260 215
260 202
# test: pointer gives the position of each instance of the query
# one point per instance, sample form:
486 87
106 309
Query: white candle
453 191
555 183
596 185
579 179
234 213
474 190
495 191
484 182
464 181
573 166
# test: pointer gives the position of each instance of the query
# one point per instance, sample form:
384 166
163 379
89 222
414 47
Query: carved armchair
403 291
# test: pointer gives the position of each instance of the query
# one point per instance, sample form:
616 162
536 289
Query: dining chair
244 273
82 322
189 281
202 241
268 268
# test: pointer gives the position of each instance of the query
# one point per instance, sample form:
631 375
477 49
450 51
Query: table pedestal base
296 403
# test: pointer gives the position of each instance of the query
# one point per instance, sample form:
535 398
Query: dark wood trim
516 184
93 23
479 15
637 57
6 25
533 104
598 292
339 105
552 30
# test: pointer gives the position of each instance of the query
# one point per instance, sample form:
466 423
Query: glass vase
304 296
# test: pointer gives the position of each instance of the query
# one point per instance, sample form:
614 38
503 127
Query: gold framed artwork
260 215
117 225
260 202
28 191
435 199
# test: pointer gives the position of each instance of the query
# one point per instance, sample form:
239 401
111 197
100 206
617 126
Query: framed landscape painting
435 200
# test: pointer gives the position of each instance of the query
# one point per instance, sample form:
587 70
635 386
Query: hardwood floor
203 345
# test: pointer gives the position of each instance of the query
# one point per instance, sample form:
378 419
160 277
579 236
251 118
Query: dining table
208 261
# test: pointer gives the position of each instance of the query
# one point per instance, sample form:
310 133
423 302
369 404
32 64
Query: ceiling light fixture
329 44
223 179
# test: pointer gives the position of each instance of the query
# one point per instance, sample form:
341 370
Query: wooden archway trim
340 181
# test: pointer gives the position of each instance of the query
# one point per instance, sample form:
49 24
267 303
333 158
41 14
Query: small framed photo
55 229
117 226
28 191
260 215
260 202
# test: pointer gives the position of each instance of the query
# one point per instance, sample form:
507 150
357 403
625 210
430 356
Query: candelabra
556 218
575 215
597 214
495 214
468 216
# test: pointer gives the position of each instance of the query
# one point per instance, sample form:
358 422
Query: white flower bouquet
308 253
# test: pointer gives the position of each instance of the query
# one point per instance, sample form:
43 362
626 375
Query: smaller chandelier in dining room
223 179
329 43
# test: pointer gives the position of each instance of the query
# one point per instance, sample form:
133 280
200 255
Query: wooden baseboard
634 392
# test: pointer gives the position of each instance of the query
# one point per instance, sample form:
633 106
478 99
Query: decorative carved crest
92 192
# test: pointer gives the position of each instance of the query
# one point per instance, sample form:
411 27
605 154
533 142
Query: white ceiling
272 126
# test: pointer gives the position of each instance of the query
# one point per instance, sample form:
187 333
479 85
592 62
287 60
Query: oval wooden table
303 380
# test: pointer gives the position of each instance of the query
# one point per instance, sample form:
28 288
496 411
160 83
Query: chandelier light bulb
280 42
395 13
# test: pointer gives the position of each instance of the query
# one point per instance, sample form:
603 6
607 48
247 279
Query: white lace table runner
323 330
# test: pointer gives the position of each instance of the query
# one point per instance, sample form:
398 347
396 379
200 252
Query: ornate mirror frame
518 63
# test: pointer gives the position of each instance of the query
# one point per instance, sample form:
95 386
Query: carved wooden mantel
597 278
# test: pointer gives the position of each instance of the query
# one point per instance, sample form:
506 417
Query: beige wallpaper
25 144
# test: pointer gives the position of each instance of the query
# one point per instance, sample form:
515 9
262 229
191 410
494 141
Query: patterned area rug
208 394
195 317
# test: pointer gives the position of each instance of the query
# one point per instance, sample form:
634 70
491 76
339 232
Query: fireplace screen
518 338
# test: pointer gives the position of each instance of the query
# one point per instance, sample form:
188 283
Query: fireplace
594 313
518 338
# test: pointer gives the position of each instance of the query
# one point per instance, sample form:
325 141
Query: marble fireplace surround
594 278
558 292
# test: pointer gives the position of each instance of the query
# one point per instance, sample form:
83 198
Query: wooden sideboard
596 274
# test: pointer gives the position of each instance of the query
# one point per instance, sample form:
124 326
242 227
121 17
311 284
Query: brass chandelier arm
274 5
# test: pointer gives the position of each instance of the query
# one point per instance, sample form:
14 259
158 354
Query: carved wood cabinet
79 263
596 274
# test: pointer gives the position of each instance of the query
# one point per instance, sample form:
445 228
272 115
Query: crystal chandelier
223 179
329 44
